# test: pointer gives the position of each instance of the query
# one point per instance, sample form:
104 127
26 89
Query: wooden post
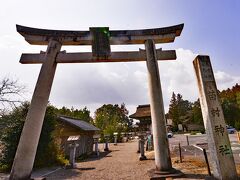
187 140
27 147
161 146
180 152
218 140
206 160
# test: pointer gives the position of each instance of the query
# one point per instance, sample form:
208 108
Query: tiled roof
142 112
79 123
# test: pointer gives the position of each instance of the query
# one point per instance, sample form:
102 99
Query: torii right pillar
161 146
223 165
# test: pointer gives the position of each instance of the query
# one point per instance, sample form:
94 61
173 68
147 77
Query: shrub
48 151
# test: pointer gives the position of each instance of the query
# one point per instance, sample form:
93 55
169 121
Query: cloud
92 85
100 83
225 80
178 76
88 84
223 77
7 41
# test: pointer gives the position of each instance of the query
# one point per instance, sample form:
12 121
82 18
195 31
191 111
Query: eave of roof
143 111
83 125
42 36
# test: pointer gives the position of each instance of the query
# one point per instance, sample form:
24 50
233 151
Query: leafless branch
10 92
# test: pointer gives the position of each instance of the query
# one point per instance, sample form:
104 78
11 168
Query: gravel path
121 163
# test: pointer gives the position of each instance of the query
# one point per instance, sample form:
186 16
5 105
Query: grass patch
4 168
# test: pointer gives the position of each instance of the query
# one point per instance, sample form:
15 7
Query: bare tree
10 92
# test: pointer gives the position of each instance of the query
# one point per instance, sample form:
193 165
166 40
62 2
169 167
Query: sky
210 28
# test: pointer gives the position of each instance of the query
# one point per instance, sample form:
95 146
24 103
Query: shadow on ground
94 157
86 169
195 176
65 174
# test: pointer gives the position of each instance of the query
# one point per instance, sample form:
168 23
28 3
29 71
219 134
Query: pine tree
173 111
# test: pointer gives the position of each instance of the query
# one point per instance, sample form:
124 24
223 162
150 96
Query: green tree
48 152
82 114
178 109
230 99
112 118
173 111
197 113
12 126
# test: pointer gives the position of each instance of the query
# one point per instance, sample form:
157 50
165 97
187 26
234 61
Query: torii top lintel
42 36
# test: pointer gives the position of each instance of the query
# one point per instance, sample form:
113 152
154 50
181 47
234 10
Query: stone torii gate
100 39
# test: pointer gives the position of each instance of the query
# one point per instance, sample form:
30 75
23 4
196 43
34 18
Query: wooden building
76 127
143 114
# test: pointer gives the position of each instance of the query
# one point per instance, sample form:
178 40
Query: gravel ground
121 163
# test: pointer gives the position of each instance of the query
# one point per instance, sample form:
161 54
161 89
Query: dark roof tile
79 123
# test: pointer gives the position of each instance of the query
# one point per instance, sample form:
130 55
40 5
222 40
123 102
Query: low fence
193 150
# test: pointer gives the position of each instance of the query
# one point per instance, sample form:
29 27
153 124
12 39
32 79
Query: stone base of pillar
71 166
156 174
209 178
141 158
106 149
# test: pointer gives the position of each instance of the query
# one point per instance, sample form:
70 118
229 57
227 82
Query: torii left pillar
28 143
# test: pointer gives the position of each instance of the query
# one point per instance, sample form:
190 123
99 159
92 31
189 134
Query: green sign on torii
100 39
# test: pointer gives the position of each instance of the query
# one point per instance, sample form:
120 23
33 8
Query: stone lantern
141 145
73 145
115 134
106 137
96 139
